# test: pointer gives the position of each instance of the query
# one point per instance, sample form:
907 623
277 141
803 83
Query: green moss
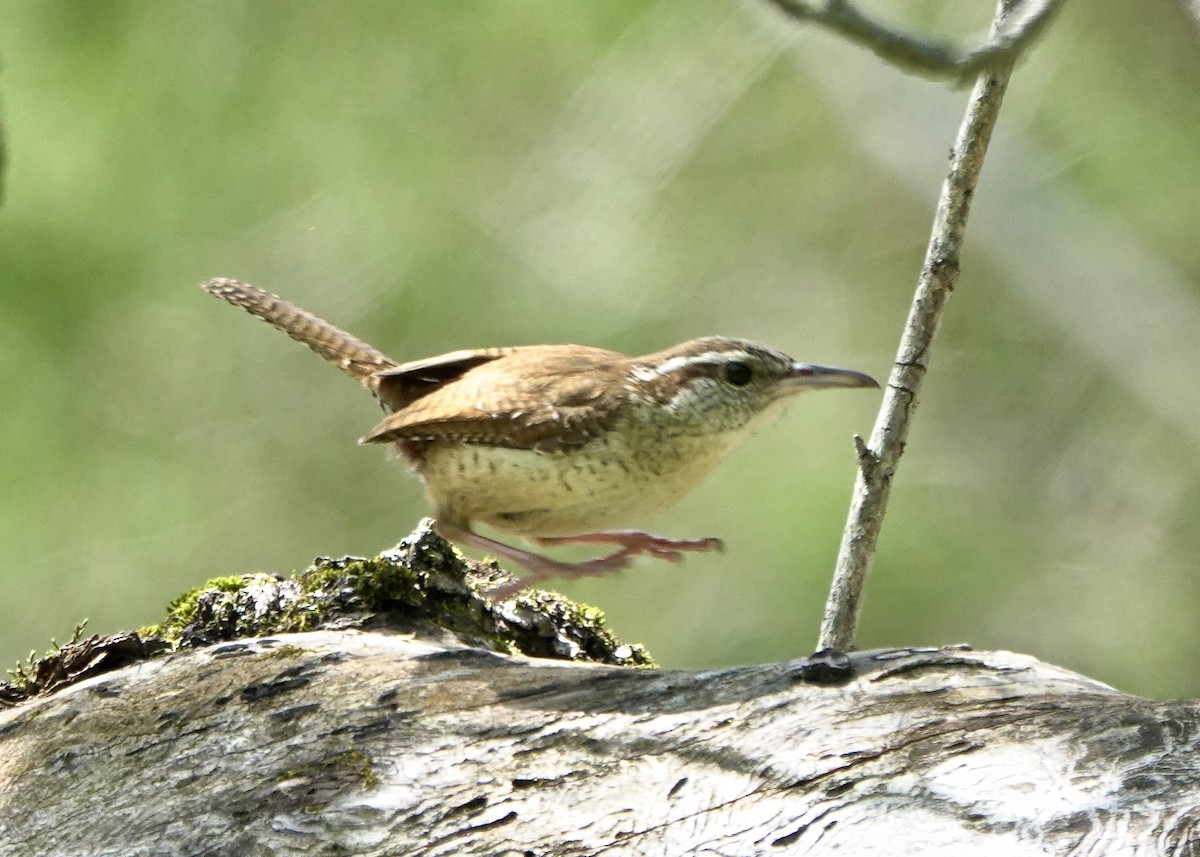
182 610
360 762
376 582
28 675
338 770
23 681
422 581
284 652
219 599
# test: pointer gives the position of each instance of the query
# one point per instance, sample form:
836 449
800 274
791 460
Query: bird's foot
635 542
632 543
542 568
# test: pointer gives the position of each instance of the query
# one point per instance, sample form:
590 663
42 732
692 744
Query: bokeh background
438 175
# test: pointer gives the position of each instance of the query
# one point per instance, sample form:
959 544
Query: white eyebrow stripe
677 363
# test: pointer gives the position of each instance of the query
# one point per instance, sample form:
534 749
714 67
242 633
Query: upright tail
353 356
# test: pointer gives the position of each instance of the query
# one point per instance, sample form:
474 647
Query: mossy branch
423 585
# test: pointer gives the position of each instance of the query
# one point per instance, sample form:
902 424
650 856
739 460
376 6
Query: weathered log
345 741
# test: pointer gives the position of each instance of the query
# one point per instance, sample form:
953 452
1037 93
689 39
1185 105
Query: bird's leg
634 542
540 567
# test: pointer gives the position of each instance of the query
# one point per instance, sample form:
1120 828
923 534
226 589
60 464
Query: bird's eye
738 373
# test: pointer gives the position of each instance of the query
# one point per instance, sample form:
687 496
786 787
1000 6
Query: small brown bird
559 443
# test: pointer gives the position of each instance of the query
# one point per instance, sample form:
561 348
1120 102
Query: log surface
349 742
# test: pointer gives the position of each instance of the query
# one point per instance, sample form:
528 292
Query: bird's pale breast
621 478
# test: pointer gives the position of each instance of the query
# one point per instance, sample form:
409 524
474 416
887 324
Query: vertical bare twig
878 459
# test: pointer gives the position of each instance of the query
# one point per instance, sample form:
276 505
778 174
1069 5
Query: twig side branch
879 458
923 56
1192 8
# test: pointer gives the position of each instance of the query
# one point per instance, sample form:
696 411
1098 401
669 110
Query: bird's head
720 384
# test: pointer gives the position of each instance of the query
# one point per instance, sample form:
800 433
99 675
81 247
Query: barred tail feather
350 354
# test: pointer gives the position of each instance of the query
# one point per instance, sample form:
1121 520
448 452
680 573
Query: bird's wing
546 398
405 383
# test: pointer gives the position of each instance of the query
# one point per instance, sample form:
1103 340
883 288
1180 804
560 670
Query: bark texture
384 743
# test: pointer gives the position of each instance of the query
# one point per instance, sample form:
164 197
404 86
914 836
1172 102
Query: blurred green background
437 175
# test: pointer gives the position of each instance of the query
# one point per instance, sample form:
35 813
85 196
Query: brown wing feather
546 398
402 385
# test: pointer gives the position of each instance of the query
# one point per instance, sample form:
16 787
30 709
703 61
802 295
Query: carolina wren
559 443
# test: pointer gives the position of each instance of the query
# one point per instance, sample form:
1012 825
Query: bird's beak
807 376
